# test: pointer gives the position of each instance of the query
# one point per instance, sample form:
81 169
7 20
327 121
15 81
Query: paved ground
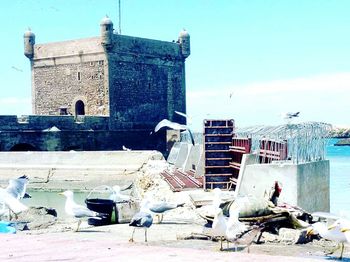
165 243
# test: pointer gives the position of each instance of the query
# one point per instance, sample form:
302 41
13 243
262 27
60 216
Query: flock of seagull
223 227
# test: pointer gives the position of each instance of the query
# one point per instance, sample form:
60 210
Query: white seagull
234 226
125 148
12 203
116 196
219 226
336 232
173 125
75 210
17 187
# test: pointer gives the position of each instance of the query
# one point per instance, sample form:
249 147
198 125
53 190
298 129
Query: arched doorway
79 108
23 147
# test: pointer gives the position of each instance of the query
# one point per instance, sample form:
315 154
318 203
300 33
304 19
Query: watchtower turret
29 41
106 27
184 41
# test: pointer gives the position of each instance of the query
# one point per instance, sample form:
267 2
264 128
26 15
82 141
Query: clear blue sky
272 56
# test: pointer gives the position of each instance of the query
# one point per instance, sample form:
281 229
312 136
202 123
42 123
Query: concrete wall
304 185
76 170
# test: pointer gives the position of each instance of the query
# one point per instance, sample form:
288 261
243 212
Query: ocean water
339 157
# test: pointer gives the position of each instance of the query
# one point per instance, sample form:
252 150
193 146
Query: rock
293 236
37 217
343 142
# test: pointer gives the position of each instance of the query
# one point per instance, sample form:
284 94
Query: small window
100 62
79 76
92 63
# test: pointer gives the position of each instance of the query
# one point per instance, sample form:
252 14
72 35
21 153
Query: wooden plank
217 166
218 175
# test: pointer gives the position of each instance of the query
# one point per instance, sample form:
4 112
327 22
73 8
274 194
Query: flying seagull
173 125
291 115
17 187
11 202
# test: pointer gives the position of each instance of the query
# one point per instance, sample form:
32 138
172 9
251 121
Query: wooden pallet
179 180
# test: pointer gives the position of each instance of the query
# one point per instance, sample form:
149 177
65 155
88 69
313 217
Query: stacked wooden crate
217 141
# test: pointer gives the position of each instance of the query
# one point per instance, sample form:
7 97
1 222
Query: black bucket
102 206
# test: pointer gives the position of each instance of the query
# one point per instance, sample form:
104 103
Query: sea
339 160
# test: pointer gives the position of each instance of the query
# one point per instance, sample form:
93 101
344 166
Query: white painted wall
304 185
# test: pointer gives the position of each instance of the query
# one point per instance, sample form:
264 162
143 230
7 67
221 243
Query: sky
251 60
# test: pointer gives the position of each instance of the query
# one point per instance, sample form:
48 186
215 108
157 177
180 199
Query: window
100 62
79 76
92 63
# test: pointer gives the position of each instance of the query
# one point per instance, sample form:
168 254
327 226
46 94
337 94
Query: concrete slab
82 169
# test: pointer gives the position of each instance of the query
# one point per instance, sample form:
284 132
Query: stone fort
100 93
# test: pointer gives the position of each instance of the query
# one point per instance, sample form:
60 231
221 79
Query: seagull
12 203
170 124
290 115
116 196
17 187
234 226
142 219
219 226
335 232
247 237
159 208
76 210
125 148
175 126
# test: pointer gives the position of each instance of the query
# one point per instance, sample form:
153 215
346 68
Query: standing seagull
234 226
336 232
219 226
142 219
116 196
75 210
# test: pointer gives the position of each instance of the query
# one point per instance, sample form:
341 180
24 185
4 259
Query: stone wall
83 140
146 81
64 85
